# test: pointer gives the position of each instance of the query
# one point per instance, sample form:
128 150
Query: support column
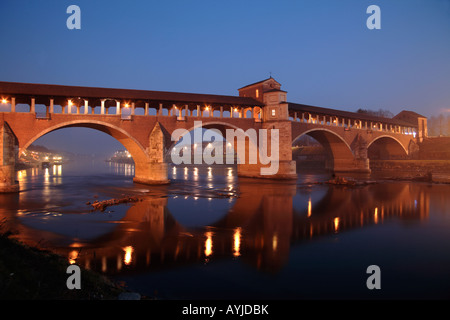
86 107
295 116
146 109
33 105
13 104
231 112
118 111
8 181
52 106
186 110
133 106
221 111
160 112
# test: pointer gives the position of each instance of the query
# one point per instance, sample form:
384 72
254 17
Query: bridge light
4 101
126 105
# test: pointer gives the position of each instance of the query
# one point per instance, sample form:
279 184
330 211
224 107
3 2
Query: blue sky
319 50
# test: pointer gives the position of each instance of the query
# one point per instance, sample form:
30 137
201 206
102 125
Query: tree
378 113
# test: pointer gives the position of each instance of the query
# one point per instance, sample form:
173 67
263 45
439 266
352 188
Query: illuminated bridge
143 121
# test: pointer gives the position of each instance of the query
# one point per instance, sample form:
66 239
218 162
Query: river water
212 235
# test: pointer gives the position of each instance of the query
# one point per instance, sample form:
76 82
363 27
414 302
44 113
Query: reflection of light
274 242
174 170
208 243
336 224
230 172
21 174
375 215
237 242
195 171
209 172
309 207
185 171
73 255
128 252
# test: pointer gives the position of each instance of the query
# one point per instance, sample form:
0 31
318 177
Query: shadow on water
210 234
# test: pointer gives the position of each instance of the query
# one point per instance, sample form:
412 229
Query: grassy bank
28 273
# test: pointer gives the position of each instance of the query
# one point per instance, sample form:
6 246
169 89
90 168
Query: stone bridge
144 121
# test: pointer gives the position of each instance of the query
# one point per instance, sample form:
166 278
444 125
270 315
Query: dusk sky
321 51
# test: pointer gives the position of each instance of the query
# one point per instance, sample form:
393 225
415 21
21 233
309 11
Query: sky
321 51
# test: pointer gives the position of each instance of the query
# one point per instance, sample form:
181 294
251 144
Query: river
212 235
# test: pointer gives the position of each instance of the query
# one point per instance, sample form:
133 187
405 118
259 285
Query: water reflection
213 217
259 226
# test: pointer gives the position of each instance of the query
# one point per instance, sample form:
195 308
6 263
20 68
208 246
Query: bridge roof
61 91
296 107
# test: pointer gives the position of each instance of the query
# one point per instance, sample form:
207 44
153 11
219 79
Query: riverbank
28 273
420 166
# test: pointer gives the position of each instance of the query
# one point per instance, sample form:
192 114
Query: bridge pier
8 181
151 173
153 170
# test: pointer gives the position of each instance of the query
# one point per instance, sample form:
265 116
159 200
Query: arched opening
201 141
386 148
67 133
321 149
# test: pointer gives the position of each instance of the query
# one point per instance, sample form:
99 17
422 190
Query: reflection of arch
136 150
386 147
335 147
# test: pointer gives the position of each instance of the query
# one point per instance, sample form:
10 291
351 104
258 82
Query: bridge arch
386 147
222 127
133 146
339 152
